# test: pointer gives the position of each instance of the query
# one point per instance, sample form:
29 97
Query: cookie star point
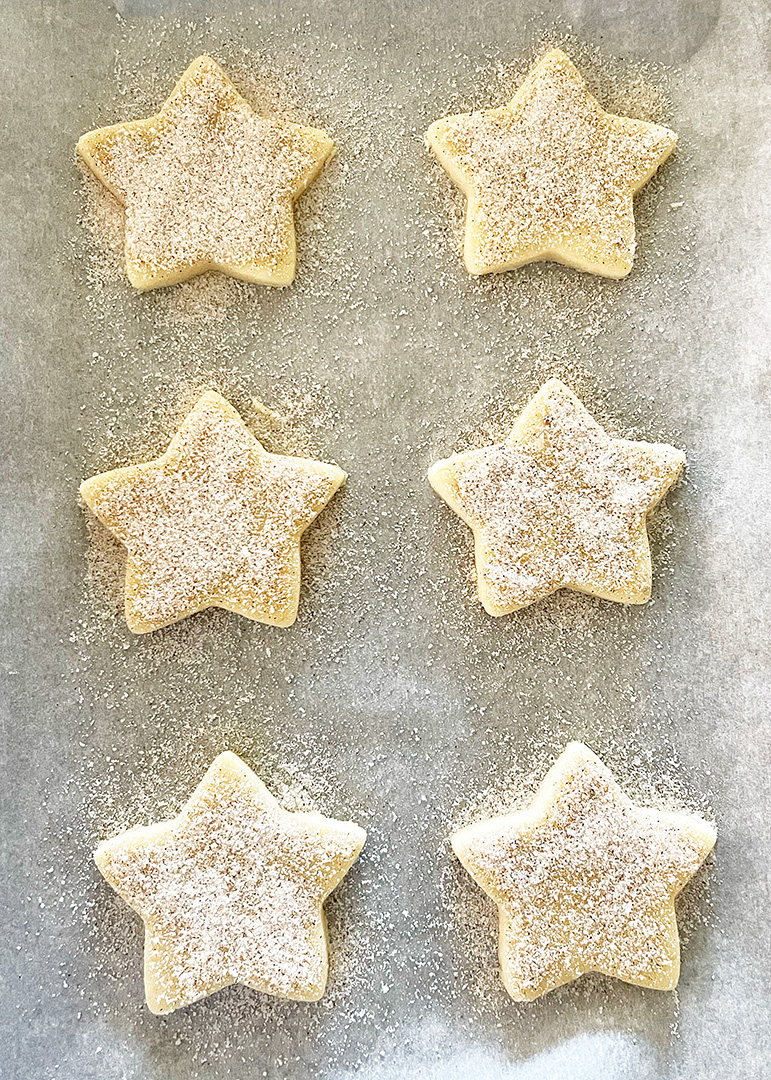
206 184
558 504
550 175
585 880
232 890
215 521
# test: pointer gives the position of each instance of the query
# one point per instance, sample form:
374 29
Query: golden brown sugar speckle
558 504
585 880
231 890
550 175
206 184
216 521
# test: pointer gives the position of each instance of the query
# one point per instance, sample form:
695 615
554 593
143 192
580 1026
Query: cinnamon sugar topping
585 880
231 890
558 504
551 175
206 184
215 521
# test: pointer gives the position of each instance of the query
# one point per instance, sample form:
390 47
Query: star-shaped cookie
550 175
558 504
207 184
231 890
216 521
584 880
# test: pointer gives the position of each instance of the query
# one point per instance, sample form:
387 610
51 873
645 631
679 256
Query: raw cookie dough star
558 504
231 890
216 521
584 880
550 175
207 184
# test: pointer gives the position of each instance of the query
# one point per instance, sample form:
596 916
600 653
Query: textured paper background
394 694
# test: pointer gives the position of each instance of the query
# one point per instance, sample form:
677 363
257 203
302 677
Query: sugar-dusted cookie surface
558 504
216 521
585 880
231 890
551 175
207 184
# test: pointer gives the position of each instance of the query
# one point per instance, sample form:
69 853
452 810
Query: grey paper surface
394 699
